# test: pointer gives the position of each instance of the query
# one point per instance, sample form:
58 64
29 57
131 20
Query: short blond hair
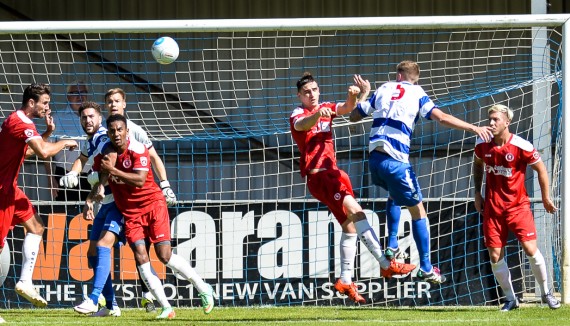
503 109
410 70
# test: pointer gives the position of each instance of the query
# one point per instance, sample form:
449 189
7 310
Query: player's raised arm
46 150
452 122
357 92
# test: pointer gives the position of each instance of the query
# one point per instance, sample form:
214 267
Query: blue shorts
396 177
108 219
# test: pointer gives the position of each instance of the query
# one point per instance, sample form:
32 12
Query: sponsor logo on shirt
322 126
115 179
499 170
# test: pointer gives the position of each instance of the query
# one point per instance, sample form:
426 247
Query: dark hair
89 105
116 117
307 78
34 91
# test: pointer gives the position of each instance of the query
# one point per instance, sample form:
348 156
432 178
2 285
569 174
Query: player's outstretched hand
168 193
484 133
353 90
362 84
71 144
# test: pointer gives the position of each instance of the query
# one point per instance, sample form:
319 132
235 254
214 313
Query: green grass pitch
339 315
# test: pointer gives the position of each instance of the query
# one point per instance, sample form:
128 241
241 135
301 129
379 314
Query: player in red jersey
311 128
125 165
19 138
506 205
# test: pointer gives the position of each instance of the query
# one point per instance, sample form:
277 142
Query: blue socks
421 237
102 270
393 213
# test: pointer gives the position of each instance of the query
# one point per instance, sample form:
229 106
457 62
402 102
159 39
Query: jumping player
395 107
311 128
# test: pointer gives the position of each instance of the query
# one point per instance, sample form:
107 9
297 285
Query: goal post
219 118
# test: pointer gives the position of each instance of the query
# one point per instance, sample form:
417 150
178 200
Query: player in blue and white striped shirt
395 108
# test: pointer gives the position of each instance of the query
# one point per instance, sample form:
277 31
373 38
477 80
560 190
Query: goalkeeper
311 127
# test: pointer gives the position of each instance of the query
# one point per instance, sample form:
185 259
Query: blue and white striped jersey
95 144
395 109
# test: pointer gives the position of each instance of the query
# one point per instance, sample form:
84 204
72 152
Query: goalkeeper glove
168 193
70 180
93 178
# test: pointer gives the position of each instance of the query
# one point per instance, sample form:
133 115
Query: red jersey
16 131
505 169
133 201
316 145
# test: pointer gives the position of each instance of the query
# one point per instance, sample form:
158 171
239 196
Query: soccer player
107 225
116 103
311 128
506 205
395 108
125 165
19 138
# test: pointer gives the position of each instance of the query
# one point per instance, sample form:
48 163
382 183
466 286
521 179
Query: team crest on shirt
509 157
535 155
127 163
144 161
28 132
337 196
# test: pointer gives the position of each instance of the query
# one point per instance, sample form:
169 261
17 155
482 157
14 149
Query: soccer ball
165 50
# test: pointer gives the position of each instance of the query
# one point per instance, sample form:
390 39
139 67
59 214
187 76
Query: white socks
538 267
347 255
370 240
30 250
503 277
154 284
182 267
